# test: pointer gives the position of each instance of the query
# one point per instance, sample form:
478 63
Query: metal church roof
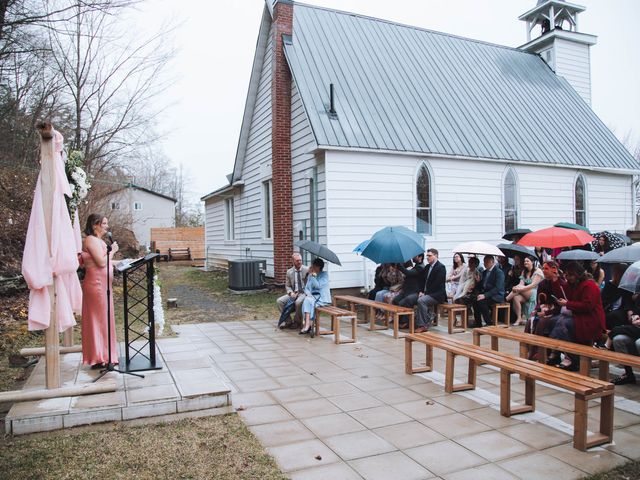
406 89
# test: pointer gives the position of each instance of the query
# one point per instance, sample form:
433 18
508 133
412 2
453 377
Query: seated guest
593 268
432 293
413 283
294 283
617 303
507 269
469 282
626 339
453 279
523 295
582 318
392 277
379 280
553 285
492 285
542 255
317 293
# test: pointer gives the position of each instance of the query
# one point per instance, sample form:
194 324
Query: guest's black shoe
304 332
553 361
98 366
572 367
624 379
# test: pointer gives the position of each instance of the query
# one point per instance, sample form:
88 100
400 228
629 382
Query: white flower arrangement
158 311
78 181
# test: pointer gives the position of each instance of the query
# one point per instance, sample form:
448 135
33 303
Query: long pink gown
94 313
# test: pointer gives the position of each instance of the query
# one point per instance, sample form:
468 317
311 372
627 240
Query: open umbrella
624 238
516 234
318 250
478 248
628 254
556 237
578 255
630 281
361 246
511 249
393 245
572 226
613 240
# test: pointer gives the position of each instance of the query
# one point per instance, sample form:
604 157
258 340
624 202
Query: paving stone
281 433
425 408
537 435
300 455
379 416
484 472
311 408
540 466
455 425
626 443
444 457
330 425
266 414
390 465
92 417
355 401
358 444
493 445
254 399
408 435
595 460
335 388
336 471
155 393
294 394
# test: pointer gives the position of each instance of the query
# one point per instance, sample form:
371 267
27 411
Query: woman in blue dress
317 293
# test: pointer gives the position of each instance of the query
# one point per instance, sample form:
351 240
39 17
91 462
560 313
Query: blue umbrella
578 255
361 246
393 245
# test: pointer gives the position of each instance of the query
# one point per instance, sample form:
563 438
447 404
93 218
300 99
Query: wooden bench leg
603 370
411 318
606 417
505 395
476 337
580 423
408 358
580 439
449 372
449 387
494 343
585 365
395 320
336 327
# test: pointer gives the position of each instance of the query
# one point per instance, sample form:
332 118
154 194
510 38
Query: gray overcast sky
216 42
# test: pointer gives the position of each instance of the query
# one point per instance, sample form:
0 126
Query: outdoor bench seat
393 312
583 388
184 253
337 315
451 310
585 352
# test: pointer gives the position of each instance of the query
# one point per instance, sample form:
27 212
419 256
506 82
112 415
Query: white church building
353 123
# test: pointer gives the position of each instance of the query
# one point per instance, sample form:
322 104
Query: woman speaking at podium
94 290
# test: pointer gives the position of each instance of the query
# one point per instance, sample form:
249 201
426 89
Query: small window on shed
580 201
510 201
115 206
137 205
424 214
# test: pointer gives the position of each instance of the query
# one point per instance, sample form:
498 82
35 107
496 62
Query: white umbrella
478 248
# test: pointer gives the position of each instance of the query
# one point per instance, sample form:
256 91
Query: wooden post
47 182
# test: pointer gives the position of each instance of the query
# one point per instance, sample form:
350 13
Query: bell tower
552 33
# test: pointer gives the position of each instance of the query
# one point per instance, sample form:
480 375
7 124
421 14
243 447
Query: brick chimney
281 142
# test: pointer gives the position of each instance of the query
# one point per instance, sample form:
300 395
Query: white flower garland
158 311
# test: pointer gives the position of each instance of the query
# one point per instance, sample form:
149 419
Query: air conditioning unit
246 274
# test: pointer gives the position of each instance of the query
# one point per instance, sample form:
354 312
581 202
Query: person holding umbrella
582 316
492 285
413 283
317 293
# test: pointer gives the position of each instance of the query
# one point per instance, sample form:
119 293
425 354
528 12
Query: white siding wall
156 212
218 250
303 163
573 63
366 192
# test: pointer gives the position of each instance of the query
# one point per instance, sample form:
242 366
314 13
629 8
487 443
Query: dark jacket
611 293
434 282
413 279
492 284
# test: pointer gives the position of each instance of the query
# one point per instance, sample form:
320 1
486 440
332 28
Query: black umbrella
624 238
614 240
628 254
578 255
318 250
511 249
516 234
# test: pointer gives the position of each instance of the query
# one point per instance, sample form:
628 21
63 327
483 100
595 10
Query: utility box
246 274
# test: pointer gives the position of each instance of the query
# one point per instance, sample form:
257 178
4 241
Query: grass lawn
218 447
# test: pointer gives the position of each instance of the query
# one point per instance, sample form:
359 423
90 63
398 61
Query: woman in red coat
582 319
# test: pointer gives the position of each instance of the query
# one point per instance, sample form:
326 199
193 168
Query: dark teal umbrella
318 250
393 245
572 226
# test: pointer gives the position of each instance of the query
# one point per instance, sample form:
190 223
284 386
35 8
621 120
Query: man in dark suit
433 292
492 285
413 282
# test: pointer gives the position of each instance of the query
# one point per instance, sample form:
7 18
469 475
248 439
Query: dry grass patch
219 447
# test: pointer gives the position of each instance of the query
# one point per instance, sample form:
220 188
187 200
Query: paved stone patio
349 411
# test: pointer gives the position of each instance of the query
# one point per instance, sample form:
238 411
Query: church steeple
559 42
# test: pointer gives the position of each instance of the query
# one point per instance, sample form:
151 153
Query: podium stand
139 322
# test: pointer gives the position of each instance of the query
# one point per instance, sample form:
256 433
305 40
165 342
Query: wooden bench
544 344
495 314
180 252
583 388
337 315
451 310
393 312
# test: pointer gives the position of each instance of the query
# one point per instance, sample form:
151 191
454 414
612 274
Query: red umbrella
556 237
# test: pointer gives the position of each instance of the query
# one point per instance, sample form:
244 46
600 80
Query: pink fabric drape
43 267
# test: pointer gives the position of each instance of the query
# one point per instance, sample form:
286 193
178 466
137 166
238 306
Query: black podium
139 321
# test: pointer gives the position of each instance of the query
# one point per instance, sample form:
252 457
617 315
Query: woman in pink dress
94 289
